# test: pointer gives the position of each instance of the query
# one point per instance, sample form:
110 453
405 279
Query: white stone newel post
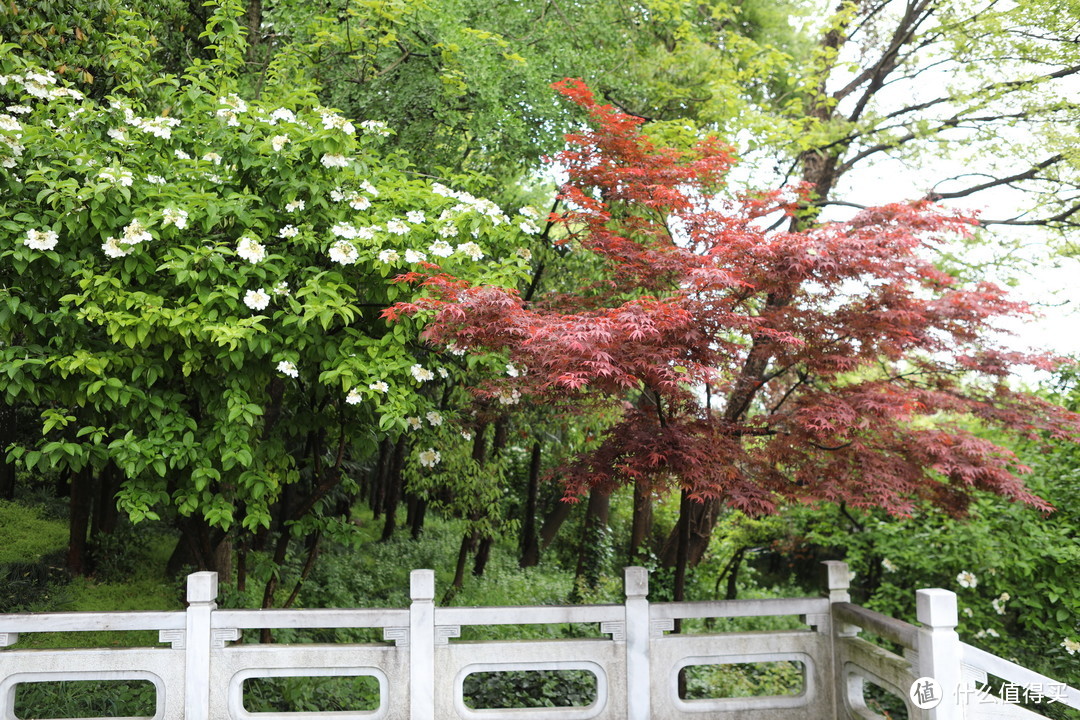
422 645
202 590
838 585
939 649
638 679
837 580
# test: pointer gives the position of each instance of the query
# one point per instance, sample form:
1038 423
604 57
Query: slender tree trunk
378 480
79 520
593 537
553 521
393 489
7 436
417 525
483 554
530 544
641 525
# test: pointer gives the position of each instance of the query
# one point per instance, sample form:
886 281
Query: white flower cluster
257 300
967 579
174 216
411 256
160 126
389 257
508 397
999 603
471 250
359 202
379 386
278 141
10 124
354 397
117 176
333 160
429 458
434 418
19 109
289 231
251 250
344 252
333 121
294 206
441 248
421 373
397 226
282 288
1071 646
113 249
889 565
234 105
41 239
375 127
135 233
285 367
41 85
989 632
282 115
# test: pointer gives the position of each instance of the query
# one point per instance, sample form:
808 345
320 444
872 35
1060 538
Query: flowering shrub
192 280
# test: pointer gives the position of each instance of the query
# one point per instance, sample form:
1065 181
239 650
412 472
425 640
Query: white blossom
421 373
366 233
529 227
135 233
375 127
212 157
41 239
440 189
155 179
369 188
158 127
117 176
8 123
282 114
511 370
429 458
344 252
333 121
441 248
19 109
337 195
379 386
345 230
174 216
285 367
118 134
967 579
234 101
508 397
466 435
256 299
396 226
443 373
354 397
434 418
332 160
471 250
448 230
968 612
888 565
1071 646
278 142
524 253
359 202
250 249
415 216
530 212
389 257
288 231
411 256
113 249
294 205
181 155
281 288
413 423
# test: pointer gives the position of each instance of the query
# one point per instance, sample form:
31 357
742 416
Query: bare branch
1028 174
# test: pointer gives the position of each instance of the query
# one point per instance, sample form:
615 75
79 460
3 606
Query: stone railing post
837 585
422 645
939 650
202 590
638 676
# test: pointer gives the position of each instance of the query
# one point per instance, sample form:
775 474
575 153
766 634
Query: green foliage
85 698
207 275
529 689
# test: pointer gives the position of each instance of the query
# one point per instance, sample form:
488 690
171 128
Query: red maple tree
831 363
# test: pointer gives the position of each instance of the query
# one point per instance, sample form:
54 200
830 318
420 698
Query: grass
26 535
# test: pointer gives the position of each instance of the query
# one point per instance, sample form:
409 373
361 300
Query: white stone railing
421 671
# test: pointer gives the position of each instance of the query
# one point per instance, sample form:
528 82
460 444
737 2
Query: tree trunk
553 521
530 545
393 489
641 525
483 553
7 436
593 538
417 525
79 519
